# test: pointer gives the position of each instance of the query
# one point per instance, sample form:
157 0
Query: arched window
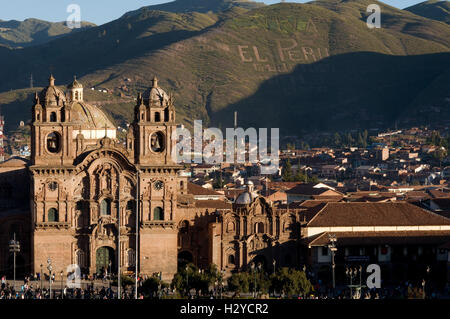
131 257
76 95
53 215
157 117
231 260
80 258
63 115
259 228
53 117
158 213
230 227
105 207
53 142
184 229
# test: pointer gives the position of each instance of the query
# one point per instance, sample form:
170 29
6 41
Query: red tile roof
374 214
380 238
217 204
195 189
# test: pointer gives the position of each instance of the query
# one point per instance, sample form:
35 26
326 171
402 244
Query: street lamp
274 263
14 247
187 281
333 249
351 273
49 267
255 268
62 284
424 281
40 277
222 283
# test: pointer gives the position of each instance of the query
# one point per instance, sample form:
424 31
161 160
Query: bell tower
154 125
150 138
50 132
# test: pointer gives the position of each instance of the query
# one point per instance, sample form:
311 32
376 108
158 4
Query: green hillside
432 9
300 67
17 34
203 6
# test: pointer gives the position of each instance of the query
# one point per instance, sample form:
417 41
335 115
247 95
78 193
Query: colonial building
86 199
86 188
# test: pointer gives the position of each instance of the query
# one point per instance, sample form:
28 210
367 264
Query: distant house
202 193
365 170
309 191
331 170
204 169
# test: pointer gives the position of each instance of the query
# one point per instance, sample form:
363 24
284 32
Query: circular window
157 142
53 186
158 185
53 142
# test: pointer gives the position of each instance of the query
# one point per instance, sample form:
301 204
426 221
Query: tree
125 281
361 142
291 282
337 142
218 182
191 277
365 137
239 282
287 172
152 285
183 281
350 140
262 282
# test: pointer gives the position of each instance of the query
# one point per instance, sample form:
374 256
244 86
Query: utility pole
49 267
235 141
119 281
333 249
137 235
14 247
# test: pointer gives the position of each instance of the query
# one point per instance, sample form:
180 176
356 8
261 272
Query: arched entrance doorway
260 260
105 260
184 258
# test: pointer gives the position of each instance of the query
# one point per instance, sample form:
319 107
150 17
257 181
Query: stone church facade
84 198
85 189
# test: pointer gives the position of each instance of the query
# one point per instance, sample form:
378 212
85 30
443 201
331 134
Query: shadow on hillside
85 52
354 91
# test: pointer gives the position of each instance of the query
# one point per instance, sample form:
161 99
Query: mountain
300 67
432 9
202 6
17 34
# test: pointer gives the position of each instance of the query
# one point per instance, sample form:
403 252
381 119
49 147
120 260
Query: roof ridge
320 210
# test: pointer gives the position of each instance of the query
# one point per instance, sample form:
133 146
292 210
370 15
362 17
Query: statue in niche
106 179
156 142
104 229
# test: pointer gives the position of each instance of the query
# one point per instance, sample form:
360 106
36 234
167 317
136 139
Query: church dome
75 85
52 95
248 196
155 95
244 198
89 116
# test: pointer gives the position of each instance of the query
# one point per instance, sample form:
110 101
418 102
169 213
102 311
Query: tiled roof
307 189
195 189
385 237
217 204
375 214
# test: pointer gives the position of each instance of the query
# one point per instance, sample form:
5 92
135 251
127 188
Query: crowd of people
30 288
99 287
